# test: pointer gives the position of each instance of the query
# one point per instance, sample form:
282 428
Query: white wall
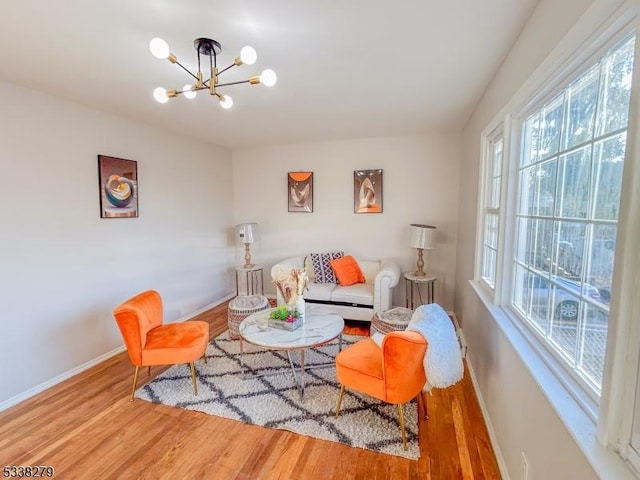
521 416
420 182
62 268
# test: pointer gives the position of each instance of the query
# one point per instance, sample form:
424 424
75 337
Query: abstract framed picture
367 191
118 182
300 191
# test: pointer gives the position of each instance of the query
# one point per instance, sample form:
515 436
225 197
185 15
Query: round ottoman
392 320
241 307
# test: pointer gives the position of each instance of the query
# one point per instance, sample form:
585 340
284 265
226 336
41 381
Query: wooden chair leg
135 380
404 434
193 378
424 402
339 400
149 371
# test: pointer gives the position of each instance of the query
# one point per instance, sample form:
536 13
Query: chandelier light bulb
188 91
159 48
226 101
268 78
248 55
160 94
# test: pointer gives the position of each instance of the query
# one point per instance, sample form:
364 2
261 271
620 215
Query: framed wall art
300 191
118 182
367 191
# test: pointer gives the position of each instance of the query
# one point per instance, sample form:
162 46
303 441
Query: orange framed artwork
367 191
300 191
118 182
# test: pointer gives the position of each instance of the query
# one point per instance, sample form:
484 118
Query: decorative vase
299 305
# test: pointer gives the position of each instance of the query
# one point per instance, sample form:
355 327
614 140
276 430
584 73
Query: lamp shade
422 236
247 232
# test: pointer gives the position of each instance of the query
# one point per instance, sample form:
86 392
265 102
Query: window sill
580 425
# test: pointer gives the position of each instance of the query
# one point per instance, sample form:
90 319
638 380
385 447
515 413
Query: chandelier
208 48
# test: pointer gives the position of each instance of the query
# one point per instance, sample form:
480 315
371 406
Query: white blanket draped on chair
443 360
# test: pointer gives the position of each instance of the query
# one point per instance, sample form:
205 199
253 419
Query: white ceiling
346 68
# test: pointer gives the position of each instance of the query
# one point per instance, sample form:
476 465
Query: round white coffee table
320 326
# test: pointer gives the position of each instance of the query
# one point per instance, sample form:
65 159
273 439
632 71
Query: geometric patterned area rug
272 400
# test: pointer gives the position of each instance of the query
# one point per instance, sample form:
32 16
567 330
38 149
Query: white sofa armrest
286 266
386 279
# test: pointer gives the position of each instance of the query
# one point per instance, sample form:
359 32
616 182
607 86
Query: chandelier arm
194 89
232 83
178 92
226 68
214 73
186 70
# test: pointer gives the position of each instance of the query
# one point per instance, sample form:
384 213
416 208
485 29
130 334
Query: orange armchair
149 342
393 373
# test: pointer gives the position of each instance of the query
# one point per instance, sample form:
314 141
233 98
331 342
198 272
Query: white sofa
353 302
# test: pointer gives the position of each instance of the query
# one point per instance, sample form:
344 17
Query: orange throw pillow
347 271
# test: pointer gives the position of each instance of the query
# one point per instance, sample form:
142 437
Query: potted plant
285 318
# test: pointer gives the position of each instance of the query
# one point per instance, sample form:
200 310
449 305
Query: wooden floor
86 428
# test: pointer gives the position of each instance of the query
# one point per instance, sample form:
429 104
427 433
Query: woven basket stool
241 307
391 320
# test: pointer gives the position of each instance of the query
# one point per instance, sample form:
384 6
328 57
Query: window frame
621 401
498 130
598 32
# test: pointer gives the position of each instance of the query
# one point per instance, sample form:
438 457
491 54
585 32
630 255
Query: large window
569 181
560 227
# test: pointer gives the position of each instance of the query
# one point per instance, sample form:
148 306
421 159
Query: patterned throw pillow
322 266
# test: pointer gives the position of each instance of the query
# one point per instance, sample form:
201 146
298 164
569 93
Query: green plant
284 314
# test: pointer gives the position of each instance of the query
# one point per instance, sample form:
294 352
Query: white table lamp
247 233
422 237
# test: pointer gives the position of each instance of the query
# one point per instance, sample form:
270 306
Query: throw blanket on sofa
443 360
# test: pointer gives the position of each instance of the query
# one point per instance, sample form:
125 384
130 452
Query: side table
251 278
412 280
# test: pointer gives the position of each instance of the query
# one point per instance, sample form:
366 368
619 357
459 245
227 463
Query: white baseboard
205 308
485 415
10 402
58 379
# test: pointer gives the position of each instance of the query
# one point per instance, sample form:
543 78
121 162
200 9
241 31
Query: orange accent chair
393 373
149 342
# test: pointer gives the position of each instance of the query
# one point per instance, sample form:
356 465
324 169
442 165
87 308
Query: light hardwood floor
86 428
